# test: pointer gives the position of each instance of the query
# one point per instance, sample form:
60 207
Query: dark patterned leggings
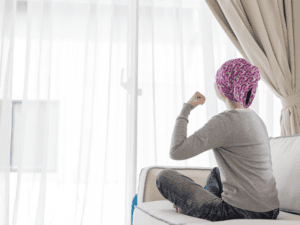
205 203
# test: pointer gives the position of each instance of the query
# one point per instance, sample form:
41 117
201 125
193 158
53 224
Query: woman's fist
197 99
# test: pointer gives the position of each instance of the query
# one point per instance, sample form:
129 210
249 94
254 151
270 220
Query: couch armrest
147 190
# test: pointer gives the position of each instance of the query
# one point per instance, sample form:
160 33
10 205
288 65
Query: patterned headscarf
235 78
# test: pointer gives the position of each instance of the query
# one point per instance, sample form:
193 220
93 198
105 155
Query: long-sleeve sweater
241 146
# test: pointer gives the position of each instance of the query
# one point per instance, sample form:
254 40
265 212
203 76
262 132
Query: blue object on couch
134 202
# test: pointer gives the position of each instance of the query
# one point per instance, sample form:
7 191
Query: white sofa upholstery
153 209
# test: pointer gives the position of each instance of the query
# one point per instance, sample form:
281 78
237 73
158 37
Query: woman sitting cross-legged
243 185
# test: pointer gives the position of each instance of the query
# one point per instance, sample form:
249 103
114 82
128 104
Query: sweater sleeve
212 135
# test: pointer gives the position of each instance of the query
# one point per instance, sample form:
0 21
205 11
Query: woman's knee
162 173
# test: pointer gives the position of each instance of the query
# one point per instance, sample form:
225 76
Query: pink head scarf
235 78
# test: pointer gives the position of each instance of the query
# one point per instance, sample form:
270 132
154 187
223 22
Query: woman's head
236 82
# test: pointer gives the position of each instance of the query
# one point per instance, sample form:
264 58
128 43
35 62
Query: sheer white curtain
64 146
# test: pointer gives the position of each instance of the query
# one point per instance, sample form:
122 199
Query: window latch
126 85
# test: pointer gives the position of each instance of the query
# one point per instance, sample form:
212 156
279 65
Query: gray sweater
240 143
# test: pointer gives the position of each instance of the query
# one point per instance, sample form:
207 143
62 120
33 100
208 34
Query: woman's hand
197 99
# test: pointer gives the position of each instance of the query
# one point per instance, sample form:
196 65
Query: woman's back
245 163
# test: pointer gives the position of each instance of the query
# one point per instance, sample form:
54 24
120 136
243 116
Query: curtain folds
267 34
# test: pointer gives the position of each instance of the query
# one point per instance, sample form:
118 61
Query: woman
243 185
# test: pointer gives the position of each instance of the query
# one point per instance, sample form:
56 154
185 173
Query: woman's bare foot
177 209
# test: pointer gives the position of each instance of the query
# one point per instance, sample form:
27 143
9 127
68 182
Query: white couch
153 209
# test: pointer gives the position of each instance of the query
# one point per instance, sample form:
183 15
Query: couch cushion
162 212
250 222
285 153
